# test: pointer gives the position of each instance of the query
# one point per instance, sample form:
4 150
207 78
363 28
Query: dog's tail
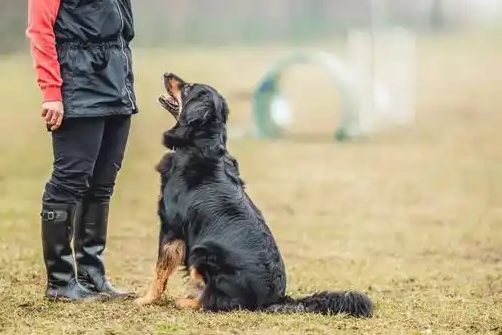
330 303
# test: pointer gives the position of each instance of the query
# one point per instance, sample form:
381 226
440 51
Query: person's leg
75 146
91 226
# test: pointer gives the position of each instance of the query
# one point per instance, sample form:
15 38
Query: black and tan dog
211 226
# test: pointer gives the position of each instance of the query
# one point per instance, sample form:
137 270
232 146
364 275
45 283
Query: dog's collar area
200 151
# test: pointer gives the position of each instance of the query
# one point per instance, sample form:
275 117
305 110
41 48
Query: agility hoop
270 108
367 104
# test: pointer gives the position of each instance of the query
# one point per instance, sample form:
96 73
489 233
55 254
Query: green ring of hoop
268 88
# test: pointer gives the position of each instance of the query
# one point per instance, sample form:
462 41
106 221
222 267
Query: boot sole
100 297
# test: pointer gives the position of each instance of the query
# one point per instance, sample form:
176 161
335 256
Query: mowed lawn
412 217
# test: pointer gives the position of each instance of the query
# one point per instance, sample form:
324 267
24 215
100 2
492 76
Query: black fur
204 203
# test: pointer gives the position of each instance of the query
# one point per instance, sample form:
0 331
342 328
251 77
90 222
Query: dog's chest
175 198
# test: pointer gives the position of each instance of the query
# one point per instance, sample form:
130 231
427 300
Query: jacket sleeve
40 32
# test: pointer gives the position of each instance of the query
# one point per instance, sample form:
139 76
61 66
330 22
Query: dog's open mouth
171 100
170 103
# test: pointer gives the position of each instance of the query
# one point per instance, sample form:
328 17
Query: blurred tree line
12 25
218 22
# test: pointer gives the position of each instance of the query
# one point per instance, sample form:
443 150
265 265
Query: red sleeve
40 31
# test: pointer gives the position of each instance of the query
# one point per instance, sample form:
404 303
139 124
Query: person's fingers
54 117
58 122
44 112
48 116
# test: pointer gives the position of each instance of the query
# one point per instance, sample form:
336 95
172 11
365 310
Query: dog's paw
187 303
143 301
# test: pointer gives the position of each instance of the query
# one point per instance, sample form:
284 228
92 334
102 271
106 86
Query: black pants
88 154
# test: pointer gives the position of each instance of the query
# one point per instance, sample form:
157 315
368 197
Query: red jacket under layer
41 18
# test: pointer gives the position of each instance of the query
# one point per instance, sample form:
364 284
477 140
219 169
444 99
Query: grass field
412 216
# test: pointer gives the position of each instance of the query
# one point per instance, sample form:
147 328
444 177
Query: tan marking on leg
196 284
194 274
171 257
186 303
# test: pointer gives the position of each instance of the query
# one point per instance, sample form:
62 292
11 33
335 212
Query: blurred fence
218 22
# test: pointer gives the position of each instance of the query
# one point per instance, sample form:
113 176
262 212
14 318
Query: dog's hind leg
170 257
196 286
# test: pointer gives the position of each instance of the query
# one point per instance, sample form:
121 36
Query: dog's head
200 111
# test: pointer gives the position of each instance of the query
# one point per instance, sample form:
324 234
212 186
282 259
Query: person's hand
52 112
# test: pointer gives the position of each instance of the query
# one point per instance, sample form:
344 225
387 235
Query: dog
211 227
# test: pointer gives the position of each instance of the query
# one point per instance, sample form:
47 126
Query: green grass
412 217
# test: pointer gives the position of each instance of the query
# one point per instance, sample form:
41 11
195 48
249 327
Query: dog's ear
221 108
214 110
204 114
208 109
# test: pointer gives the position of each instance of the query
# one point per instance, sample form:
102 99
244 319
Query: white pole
378 20
375 23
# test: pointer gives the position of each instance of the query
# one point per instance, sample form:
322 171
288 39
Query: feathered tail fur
330 303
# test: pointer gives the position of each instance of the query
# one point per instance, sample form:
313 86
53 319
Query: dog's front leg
171 256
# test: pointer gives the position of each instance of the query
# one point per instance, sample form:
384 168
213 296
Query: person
82 59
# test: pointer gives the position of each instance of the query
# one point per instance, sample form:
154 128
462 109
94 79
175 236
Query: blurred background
162 23
409 213
267 31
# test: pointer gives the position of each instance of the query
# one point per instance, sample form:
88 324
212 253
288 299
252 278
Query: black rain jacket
92 42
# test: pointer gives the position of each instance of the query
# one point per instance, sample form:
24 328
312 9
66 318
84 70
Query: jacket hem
98 112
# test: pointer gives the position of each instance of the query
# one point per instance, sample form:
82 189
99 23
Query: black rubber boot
58 258
90 234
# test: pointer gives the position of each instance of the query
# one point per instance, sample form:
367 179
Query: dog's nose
167 74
